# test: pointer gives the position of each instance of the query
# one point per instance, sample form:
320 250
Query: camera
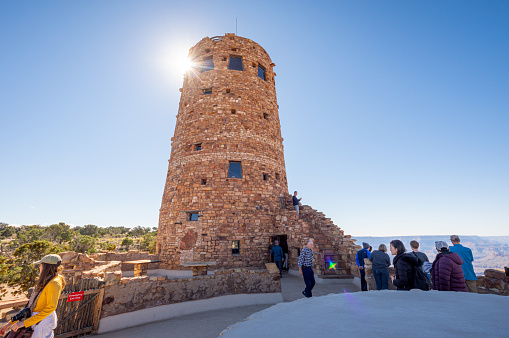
23 314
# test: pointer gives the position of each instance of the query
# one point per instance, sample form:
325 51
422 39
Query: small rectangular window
207 64
234 111
277 176
235 247
197 146
203 181
193 216
235 170
207 91
235 63
261 72
265 177
228 90
266 116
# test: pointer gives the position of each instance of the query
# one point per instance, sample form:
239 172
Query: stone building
226 194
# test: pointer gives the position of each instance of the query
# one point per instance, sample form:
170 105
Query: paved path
211 323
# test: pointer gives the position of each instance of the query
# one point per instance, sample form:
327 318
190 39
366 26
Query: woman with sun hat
48 288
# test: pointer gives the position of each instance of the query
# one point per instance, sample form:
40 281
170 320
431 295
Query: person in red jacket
446 271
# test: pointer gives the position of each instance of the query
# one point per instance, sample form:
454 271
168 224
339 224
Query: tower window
193 216
234 111
207 64
266 116
235 247
261 73
197 146
277 176
207 91
235 170
235 63
203 181
265 176
228 91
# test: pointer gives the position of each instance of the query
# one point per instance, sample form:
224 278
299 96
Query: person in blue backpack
467 257
359 259
277 253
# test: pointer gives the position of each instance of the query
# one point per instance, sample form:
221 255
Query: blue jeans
279 265
381 278
297 209
309 279
364 285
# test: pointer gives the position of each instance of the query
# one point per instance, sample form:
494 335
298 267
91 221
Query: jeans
381 278
279 265
297 209
364 285
309 279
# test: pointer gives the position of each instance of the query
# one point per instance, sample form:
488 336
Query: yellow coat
48 300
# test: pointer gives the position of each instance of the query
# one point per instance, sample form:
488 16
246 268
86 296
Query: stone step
335 276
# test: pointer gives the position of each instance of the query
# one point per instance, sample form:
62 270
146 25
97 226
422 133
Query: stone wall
136 293
494 282
131 255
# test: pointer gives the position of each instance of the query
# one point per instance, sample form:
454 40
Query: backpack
421 280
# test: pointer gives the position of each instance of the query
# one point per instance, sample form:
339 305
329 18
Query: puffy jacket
447 274
404 265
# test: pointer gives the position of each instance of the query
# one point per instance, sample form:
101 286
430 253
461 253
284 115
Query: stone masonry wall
494 282
237 120
131 294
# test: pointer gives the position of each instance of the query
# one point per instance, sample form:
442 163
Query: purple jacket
447 274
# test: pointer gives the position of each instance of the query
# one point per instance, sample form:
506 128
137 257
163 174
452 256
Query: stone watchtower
226 192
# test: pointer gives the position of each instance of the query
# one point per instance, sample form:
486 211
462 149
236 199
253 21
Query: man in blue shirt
296 202
359 259
467 257
277 253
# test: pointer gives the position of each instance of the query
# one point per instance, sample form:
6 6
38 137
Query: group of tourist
452 269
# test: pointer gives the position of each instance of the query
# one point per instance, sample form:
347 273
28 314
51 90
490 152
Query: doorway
283 243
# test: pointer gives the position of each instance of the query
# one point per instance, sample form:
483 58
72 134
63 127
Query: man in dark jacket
446 271
359 259
277 253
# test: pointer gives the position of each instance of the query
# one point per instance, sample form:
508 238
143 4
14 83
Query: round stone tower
226 173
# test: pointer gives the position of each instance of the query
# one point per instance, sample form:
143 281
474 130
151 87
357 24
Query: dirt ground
9 297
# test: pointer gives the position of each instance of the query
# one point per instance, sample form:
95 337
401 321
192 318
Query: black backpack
421 280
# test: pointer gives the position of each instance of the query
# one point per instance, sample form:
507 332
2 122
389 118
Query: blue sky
394 114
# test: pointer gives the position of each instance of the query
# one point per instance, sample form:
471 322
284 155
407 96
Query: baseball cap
50 259
441 245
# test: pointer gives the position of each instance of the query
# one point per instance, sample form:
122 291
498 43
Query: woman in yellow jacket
48 287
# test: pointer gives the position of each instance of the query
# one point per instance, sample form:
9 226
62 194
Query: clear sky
394 114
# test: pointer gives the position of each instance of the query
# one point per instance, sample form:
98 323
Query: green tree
127 242
148 243
90 230
6 230
29 234
138 231
83 244
18 269
60 232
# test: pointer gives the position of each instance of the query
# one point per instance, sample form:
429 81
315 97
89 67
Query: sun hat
50 259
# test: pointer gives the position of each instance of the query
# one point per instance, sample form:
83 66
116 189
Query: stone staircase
335 251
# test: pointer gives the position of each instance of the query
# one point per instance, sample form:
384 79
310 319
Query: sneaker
304 294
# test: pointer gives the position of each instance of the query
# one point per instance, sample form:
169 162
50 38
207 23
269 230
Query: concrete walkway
211 323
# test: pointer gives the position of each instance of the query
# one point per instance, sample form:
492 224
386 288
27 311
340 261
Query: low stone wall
494 282
135 293
131 255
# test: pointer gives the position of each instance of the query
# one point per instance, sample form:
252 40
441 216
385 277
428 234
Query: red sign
75 296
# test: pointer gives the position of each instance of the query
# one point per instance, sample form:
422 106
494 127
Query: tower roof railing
216 38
